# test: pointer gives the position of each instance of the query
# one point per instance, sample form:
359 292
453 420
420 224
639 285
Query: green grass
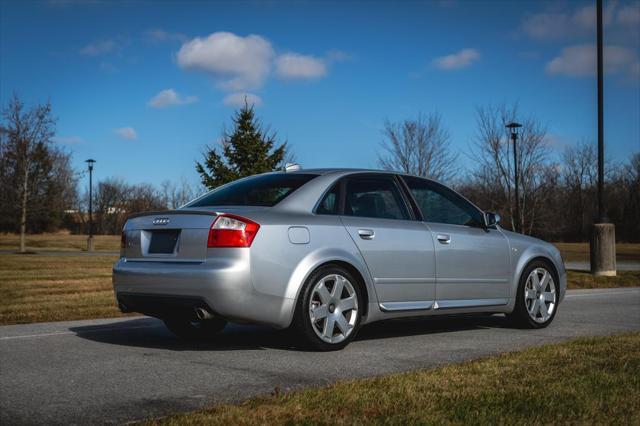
55 288
587 381
60 242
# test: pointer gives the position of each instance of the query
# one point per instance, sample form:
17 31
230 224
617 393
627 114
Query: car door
397 249
472 261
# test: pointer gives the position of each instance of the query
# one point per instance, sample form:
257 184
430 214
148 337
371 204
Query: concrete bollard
603 249
90 244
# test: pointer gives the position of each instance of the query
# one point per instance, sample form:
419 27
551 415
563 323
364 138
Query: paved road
112 371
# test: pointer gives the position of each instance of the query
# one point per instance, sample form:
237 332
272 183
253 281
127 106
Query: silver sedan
325 251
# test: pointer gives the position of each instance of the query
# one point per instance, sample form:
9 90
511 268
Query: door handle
366 234
443 238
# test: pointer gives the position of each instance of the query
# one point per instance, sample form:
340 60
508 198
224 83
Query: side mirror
492 219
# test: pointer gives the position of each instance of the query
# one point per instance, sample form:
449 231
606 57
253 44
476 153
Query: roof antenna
292 167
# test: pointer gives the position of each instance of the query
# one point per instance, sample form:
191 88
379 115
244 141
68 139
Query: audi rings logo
161 221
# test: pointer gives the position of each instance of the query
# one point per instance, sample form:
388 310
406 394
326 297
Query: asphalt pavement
119 370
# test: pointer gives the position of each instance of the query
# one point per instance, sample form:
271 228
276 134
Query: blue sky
144 86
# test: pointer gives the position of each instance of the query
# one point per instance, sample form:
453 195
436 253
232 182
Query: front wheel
328 311
195 330
537 298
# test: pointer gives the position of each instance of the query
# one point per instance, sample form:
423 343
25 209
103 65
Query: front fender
524 252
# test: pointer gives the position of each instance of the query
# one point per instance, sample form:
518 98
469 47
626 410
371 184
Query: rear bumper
162 306
221 283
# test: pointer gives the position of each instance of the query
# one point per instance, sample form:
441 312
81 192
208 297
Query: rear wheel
195 330
329 310
537 298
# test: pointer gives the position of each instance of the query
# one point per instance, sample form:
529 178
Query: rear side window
329 203
441 205
261 190
377 197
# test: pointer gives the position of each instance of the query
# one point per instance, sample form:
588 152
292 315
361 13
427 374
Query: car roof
345 170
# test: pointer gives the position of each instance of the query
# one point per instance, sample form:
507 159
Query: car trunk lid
174 235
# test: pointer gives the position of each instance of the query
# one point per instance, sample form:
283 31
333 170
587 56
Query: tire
538 296
186 329
317 310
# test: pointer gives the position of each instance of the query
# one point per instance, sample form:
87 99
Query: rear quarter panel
279 267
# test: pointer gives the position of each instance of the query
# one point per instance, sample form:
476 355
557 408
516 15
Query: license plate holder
164 241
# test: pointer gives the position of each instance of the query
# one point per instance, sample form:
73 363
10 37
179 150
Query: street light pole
513 131
602 216
90 162
603 236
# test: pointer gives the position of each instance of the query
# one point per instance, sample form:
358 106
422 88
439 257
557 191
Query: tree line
40 190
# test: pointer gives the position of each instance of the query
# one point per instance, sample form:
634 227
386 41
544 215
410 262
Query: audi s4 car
326 251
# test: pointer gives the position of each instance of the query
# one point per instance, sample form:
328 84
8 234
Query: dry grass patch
579 252
55 288
60 242
580 279
590 380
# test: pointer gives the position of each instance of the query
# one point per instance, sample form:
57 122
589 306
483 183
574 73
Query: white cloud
238 99
295 66
580 61
99 48
461 59
160 35
238 62
169 97
128 133
563 25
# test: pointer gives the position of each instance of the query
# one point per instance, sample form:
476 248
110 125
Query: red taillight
232 231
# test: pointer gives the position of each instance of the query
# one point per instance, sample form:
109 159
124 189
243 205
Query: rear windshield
261 190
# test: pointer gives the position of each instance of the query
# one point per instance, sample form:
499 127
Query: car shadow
151 333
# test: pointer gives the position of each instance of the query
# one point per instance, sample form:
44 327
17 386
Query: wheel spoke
530 294
338 286
545 281
534 308
329 325
319 313
324 294
343 325
549 296
535 280
543 310
348 303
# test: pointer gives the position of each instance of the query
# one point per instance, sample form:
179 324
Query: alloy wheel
540 295
333 308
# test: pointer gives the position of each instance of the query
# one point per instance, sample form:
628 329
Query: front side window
372 196
260 190
441 205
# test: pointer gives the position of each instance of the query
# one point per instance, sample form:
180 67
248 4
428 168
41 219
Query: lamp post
603 236
513 132
90 162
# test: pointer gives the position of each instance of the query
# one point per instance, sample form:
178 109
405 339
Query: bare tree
177 194
579 176
418 146
27 134
494 153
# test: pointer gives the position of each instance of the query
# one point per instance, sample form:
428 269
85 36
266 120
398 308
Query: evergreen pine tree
248 150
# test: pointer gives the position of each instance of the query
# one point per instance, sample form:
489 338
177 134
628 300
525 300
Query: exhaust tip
203 314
